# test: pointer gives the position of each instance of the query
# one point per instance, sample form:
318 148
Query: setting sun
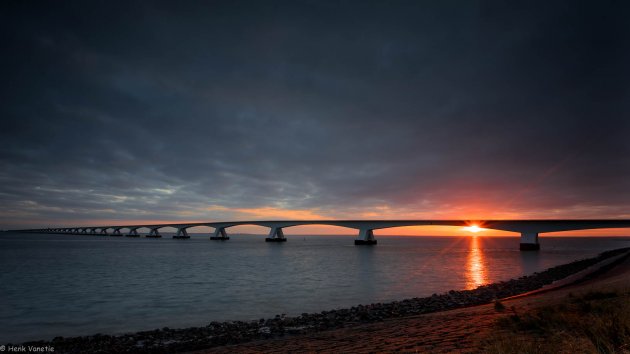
473 228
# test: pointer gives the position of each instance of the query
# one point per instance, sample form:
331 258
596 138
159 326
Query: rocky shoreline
168 340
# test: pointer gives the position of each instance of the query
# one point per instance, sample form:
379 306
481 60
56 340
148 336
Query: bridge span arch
528 229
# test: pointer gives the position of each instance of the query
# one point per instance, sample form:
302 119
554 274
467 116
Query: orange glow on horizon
428 230
217 213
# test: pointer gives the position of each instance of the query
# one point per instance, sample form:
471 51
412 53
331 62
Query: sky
136 111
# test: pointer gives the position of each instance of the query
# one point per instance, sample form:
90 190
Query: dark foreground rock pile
168 340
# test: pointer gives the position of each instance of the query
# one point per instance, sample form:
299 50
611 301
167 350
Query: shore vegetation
593 322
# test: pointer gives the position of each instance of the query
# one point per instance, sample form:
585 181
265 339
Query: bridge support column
154 233
93 231
133 233
83 231
181 233
219 234
104 232
116 232
366 237
529 241
276 235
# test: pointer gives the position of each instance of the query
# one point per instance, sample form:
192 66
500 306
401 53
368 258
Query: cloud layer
222 110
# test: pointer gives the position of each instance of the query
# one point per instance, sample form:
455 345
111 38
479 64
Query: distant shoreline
234 332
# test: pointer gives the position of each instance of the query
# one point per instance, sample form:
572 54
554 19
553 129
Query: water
63 285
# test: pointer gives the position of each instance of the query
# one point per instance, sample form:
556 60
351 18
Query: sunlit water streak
53 285
475 267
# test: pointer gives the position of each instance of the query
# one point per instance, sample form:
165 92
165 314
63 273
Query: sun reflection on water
475 267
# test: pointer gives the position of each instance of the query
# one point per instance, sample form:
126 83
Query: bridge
529 229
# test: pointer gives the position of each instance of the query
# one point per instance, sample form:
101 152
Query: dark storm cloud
138 110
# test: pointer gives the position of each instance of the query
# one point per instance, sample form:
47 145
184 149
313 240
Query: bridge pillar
529 241
104 231
93 231
219 234
84 231
181 233
366 237
117 232
276 235
133 232
154 233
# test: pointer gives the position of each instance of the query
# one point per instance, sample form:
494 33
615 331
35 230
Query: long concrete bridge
529 229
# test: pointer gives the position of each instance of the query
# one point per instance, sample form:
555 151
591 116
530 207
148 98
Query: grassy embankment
593 322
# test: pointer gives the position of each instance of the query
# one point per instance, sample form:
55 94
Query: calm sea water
63 285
